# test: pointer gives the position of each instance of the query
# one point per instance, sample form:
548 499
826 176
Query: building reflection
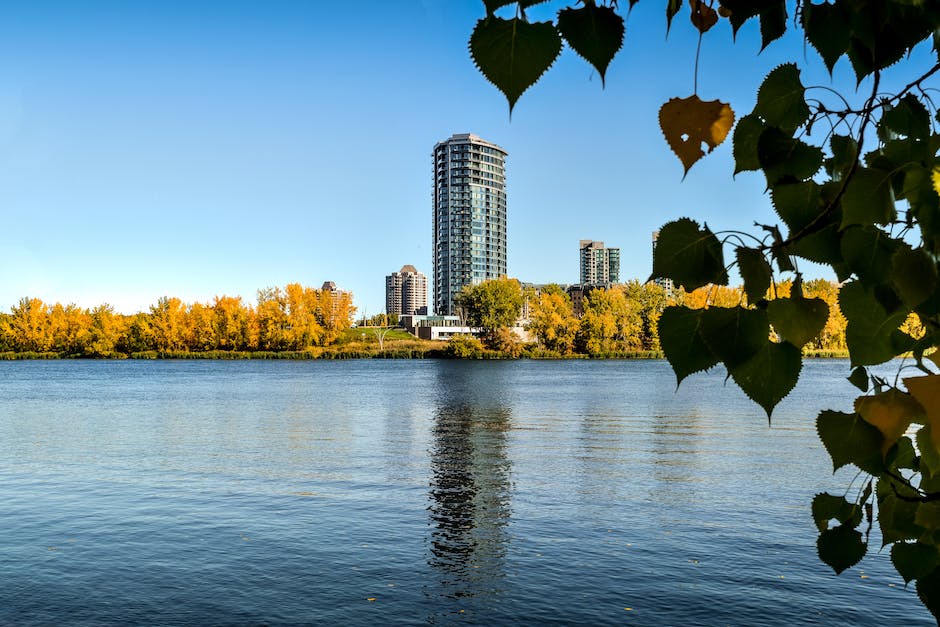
469 493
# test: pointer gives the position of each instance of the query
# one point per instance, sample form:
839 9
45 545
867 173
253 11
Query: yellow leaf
936 179
691 123
891 412
926 390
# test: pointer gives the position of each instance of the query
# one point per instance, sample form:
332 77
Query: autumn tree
490 306
104 331
855 183
28 326
651 299
611 321
552 320
166 324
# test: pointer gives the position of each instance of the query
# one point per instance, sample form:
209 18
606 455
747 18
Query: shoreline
391 353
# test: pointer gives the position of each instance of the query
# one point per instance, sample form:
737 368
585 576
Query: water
418 492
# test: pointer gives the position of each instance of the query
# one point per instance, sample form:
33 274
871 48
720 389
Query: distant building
406 292
666 284
469 230
600 266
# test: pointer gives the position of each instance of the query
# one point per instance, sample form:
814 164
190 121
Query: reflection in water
676 466
469 496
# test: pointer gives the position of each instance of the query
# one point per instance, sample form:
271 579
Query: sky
200 149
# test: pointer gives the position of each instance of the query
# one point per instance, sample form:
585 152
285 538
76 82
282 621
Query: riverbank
392 350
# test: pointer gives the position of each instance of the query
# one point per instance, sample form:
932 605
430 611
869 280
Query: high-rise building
406 292
599 265
469 239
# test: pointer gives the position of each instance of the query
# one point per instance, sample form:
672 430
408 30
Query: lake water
419 492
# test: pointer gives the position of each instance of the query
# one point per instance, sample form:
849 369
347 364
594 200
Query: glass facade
469 229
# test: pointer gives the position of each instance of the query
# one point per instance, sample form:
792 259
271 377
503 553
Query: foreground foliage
857 188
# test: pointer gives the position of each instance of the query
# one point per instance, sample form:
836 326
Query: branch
816 223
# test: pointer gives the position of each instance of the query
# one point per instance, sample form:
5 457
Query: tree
856 187
104 332
552 320
610 322
28 326
490 306
166 324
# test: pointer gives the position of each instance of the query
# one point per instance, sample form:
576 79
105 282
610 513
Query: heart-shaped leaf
691 123
798 320
513 54
688 255
594 32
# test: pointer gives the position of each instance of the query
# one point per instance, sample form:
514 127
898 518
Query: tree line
623 318
289 319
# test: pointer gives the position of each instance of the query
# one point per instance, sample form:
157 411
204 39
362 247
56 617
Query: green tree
490 306
855 182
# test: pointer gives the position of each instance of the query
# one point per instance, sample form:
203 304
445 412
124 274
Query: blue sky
195 149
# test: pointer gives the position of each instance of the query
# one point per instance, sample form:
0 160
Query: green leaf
928 591
902 455
822 247
798 320
743 10
895 515
781 156
734 334
827 30
768 376
929 456
755 271
681 342
868 252
828 507
781 99
493 5
844 154
914 274
689 255
672 7
914 560
513 54
797 204
859 378
928 515
850 440
841 547
746 135
593 31
773 23
869 325
908 119
868 198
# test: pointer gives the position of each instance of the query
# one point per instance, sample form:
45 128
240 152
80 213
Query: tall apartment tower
599 265
469 239
406 292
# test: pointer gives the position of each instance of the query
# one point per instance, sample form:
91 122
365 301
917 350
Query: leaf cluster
855 188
